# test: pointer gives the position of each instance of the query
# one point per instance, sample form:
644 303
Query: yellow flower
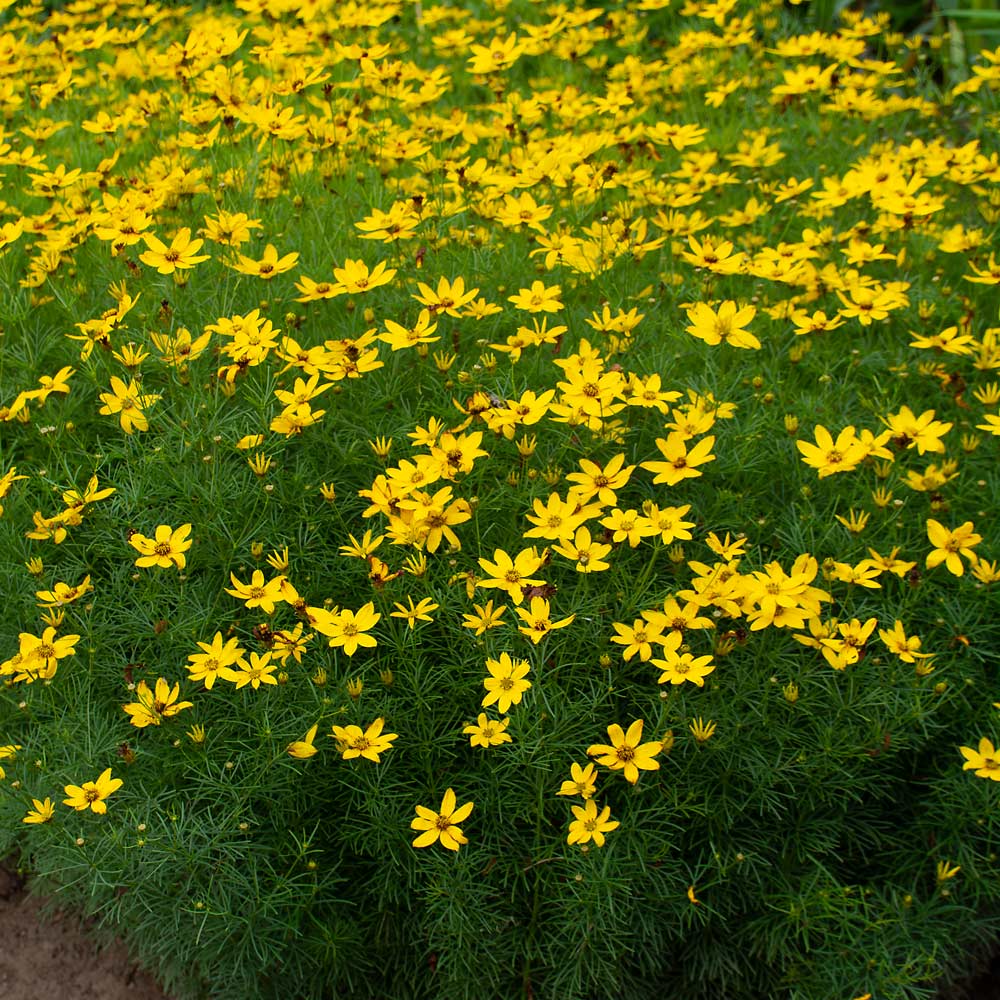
627 752
352 742
303 749
702 731
983 761
152 708
590 825
485 732
415 612
442 825
165 548
506 684
41 813
950 544
91 794
582 781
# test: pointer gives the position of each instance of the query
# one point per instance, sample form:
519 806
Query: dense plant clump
498 498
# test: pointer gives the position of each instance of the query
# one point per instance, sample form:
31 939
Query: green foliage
800 832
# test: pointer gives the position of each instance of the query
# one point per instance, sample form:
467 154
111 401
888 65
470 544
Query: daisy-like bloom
166 548
637 637
257 593
91 794
37 658
725 325
829 456
62 593
992 424
585 552
442 825
582 781
415 612
182 252
910 431
41 813
352 742
216 660
126 401
256 671
590 825
986 275
905 647
448 298
538 298
268 266
485 732
627 752
152 708
354 278
593 480
500 54
506 684
983 761
680 667
348 629
512 575
680 463
303 749
950 544
537 623
485 618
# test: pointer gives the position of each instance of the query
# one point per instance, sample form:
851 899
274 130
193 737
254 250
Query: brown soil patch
51 955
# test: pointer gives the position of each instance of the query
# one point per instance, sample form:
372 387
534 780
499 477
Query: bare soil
51 955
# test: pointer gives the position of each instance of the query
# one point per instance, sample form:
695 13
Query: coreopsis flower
268 266
448 298
638 637
166 547
92 794
500 54
506 684
512 575
303 749
62 593
949 544
257 593
628 525
41 812
442 825
828 456
256 671
910 431
702 731
727 325
538 298
128 403
582 781
182 252
679 463
537 623
627 752
354 278
984 761
37 657
153 707
216 660
415 612
590 825
486 732
348 629
905 647
398 336
587 553
486 617
594 480
352 742
680 667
